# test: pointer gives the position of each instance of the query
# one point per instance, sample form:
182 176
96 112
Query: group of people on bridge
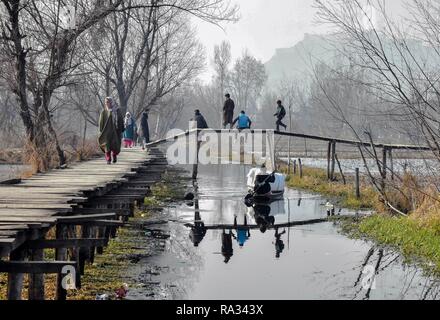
243 121
114 129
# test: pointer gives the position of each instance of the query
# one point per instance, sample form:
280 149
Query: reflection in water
230 246
279 244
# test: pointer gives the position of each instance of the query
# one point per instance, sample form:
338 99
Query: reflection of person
227 250
243 232
111 126
279 244
262 217
197 233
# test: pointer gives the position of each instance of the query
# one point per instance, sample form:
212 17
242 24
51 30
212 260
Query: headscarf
114 109
128 121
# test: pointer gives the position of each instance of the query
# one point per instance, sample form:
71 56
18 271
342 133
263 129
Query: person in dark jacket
201 122
227 249
244 122
228 111
144 130
279 243
281 113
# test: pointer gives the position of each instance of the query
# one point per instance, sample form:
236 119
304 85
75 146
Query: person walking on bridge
280 114
244 122
200 119
144 130
130 129
228 111
111 127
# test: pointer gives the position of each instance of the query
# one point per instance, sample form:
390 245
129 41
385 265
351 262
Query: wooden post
384 163
72 233
84 253
78 267
357 186
60 255
294 167
101 234
300 168
196 164
92 234
305 147
15 280
329 150
36 281
340 169
332 173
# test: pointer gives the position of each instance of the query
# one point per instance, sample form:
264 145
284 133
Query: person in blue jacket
244 122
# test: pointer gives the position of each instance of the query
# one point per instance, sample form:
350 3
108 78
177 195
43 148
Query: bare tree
222 60
40 55
246 82
399 73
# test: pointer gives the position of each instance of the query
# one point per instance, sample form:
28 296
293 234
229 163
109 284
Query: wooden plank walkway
38 202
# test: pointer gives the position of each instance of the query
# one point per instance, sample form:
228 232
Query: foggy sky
267 25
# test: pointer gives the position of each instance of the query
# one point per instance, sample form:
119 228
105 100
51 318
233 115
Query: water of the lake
307 262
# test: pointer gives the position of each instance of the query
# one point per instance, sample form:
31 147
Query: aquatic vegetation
415 242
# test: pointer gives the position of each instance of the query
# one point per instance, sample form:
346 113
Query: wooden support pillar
357 184
15 280
300 168
78 267
333 161
102 232
92 234
384 163
329 151
196 164
36 280
340 170
61 255
84 253
295 170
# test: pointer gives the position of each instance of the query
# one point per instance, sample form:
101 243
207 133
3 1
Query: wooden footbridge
74 211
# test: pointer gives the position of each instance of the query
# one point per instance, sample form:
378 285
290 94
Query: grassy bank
416 236
315 180
417 242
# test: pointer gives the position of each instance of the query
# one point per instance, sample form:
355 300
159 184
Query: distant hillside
298 60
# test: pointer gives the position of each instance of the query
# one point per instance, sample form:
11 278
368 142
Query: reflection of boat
265 186
275 208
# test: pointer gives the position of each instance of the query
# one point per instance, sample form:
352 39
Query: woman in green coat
111 127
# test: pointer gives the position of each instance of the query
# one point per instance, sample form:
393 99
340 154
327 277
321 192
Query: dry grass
315 180
85 152
11 156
